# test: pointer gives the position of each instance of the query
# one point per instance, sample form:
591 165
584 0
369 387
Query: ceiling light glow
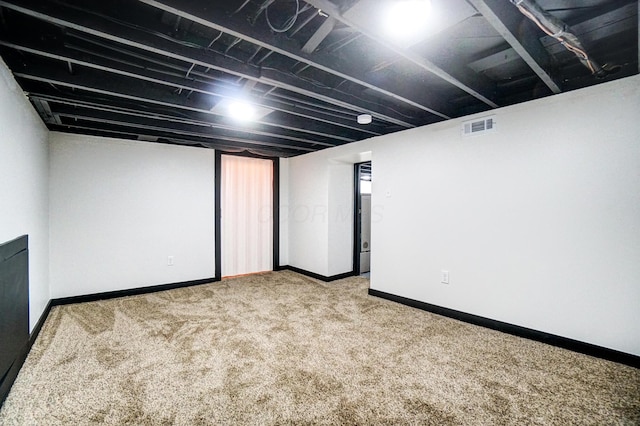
242 111
405 18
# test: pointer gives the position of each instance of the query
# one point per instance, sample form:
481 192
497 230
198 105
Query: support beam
606 24
77 99
96 82
618 17
55 13
110 130
471 88
319 36
183 130
42 106
102 28
120 68
203 14
522 38
310 17
496 60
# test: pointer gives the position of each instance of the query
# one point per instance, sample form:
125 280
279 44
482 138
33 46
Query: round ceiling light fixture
365 119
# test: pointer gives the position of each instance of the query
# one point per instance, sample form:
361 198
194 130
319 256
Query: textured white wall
284 212
340 218
307 214
120 208
537 223
24 191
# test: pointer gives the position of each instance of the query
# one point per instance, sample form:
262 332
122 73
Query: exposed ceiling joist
108 30
196 11
620 16
507 21
95 82
76 99
319 36
70 56
43 108
495 60
481 93
183 130
617 17
145 41
288 82
168 71
114 130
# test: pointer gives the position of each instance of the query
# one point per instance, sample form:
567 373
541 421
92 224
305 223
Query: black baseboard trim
314 275
12 374
36 330
128 292
527 333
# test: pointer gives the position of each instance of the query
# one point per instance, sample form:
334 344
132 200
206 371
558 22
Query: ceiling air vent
479 126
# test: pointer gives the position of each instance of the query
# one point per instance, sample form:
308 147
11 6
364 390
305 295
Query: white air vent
481 125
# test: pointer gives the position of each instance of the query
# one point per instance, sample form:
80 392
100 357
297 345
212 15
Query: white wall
23 186
307 213
321 209
537 223
119 208
284 212
340 218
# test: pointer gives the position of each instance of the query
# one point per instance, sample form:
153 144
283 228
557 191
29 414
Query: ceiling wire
558 30
289 23
241 7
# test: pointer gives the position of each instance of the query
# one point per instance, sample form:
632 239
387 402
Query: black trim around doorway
357 217
357 225
218 208
218 216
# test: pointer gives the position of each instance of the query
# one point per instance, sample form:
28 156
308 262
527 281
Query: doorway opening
247 214
362 218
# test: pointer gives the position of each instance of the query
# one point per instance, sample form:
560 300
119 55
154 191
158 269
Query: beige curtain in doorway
247 215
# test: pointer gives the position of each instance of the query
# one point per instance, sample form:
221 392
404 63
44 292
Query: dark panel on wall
14 310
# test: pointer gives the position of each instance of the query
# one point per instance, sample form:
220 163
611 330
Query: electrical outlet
170 261
444 277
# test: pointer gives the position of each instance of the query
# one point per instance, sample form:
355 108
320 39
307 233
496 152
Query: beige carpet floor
280 348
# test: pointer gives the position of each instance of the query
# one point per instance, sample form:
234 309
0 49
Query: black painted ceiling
163 70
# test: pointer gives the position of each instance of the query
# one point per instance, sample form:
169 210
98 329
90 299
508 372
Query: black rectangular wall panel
14 310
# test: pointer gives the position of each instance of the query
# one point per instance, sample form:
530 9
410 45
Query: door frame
357 216
218 208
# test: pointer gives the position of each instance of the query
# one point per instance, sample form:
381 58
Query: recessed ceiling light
365 119
405 18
